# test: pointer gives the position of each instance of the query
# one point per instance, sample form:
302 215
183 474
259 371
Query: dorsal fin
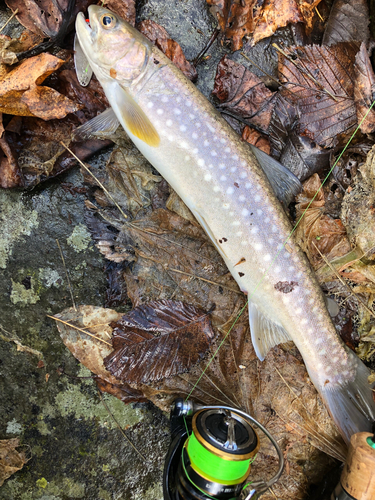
265 333
285 184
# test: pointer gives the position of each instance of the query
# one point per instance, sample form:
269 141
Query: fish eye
108 21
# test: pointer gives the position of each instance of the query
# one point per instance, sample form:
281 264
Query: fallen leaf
11 460
149 335
159 36
316 232
363 90
242 94
348 22
21 93
45 17
10 47
319 82
256 139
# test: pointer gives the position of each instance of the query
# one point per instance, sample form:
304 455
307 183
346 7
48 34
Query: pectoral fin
265 334
133 117
285 184
81 64
102 125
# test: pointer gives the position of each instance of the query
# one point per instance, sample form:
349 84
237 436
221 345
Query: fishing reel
211 453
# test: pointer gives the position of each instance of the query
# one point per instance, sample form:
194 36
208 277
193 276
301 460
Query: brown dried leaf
320 84
348 22
154 341
256 139
21 94
243 94
279 13
10 47
11 460
318 233
160 37
364 88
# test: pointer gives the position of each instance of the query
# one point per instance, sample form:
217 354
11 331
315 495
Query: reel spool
211 453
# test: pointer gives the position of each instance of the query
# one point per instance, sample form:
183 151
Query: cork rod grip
358 475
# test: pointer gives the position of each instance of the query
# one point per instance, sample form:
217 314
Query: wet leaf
364 88
45 17
257 139
242 94
154 341
11 460
21 92
348 22
318 233
319 82
10 47
159 36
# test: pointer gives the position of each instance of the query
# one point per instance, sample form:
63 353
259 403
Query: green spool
214 467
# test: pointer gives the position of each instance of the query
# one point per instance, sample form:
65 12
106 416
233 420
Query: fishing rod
211 453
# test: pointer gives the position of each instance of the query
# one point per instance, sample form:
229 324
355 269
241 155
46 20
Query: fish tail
351 403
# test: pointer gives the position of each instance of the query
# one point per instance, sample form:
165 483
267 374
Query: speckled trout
232 190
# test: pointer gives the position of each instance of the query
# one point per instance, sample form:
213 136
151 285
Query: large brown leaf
319 82
158 340
363 91
348 22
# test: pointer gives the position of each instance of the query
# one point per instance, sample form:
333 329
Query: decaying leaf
11 460
319 83
242 94
159 36
363 91
155 341
241 18
348 22
10 47
256 139
318 233
21 92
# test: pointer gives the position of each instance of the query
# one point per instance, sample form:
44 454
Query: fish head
114 49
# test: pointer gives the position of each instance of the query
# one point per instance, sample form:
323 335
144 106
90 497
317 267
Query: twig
79 329
120 429
343 282
9 20
203 279
319 14
67 275
96 179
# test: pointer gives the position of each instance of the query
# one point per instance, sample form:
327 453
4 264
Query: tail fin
351 404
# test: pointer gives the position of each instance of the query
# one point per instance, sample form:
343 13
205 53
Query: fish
236 193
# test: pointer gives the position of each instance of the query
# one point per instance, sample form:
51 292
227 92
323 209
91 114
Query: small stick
97 180
121 430
9 20
203 279
79 329
319 14
67 275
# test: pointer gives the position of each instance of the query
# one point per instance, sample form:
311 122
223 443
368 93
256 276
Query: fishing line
250 293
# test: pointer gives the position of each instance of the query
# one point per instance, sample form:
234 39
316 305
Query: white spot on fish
178 99
257 197
270 241
200 162
266 220
226 205
227 150
258 246
194 135
187 158
230 190
243 175
236 223
267 257
195 151
259 211
164 98
169 123
210 165
160 111
235 157
277 269
319 341
242 197
182 128
274 229
188 103
243 242
239 233
248 185
223 141
150 104
206 142
210 128
177 111
243 163
191 117
213 153
221 166
170 138
198 125
216 189
223 178
254 230
335 359
304 321
207 177
233 169
184 144
245 212
311 301
299 310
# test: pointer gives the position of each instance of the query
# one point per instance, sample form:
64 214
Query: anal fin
265 333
